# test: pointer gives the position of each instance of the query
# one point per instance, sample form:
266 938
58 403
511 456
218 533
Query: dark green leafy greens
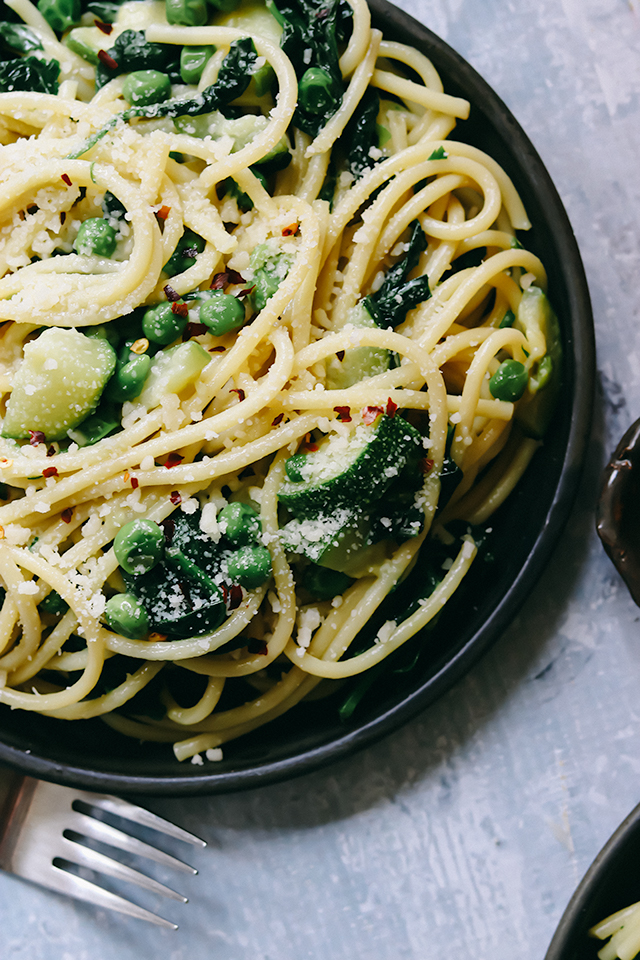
233 80
389 305
361 134
132 51
29 74
17 36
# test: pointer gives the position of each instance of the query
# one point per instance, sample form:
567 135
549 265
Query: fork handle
13 786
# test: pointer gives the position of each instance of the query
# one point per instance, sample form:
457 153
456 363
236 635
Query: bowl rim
575 920
392 19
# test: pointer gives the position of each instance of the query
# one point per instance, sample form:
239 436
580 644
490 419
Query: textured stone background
465 833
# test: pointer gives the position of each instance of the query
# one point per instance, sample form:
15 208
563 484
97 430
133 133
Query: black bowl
618 511
525 531
611 883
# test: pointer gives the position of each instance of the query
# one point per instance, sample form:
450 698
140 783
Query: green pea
146 86
129 379
249 566
54 604
222 313
193 60
60 14
315 91
509 381
241 524
125 614
138 546
95 236
184 255
264 80
161 325
191 13
265 284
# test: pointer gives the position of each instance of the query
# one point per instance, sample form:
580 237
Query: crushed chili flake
139 346
277 420
36 437
155 637
127 476
50 472
221 280
371 414
344 414
235 596
163 212
33 208
194 330
108 61
175 497
51 450
291 230
240 392
67 514
217 349
258 647
181 309
170 293
340 355
135 483
104 27
312 447
391 408
169 526
426 465
173 460
241 294
66 178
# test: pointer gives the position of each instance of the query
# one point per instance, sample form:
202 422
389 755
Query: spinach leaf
389 305
233 79
19 37
310 40
28 73
105 10
132 51
361 134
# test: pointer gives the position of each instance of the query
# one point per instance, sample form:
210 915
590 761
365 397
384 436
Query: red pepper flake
67 514
181 309
66 178
235 596
312 447
217 349
171 294
391 408
241 393
344 414
277 420
32 208
108 61
36 437
371 414
50 472
175 497
127 476
241 294
135 483
426 465
51 450
173 460
156 637
340 355
258 647
194 330
163 212
225 592
221 280
291 230
104 27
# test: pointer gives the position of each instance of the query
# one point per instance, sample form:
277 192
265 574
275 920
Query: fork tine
83 856
129 811
104 832
73 886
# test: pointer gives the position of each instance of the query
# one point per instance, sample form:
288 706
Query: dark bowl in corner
526 529
618 511
611 883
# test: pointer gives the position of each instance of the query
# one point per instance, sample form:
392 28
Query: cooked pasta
269 340
623 929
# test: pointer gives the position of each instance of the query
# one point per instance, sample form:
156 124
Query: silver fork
41 834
